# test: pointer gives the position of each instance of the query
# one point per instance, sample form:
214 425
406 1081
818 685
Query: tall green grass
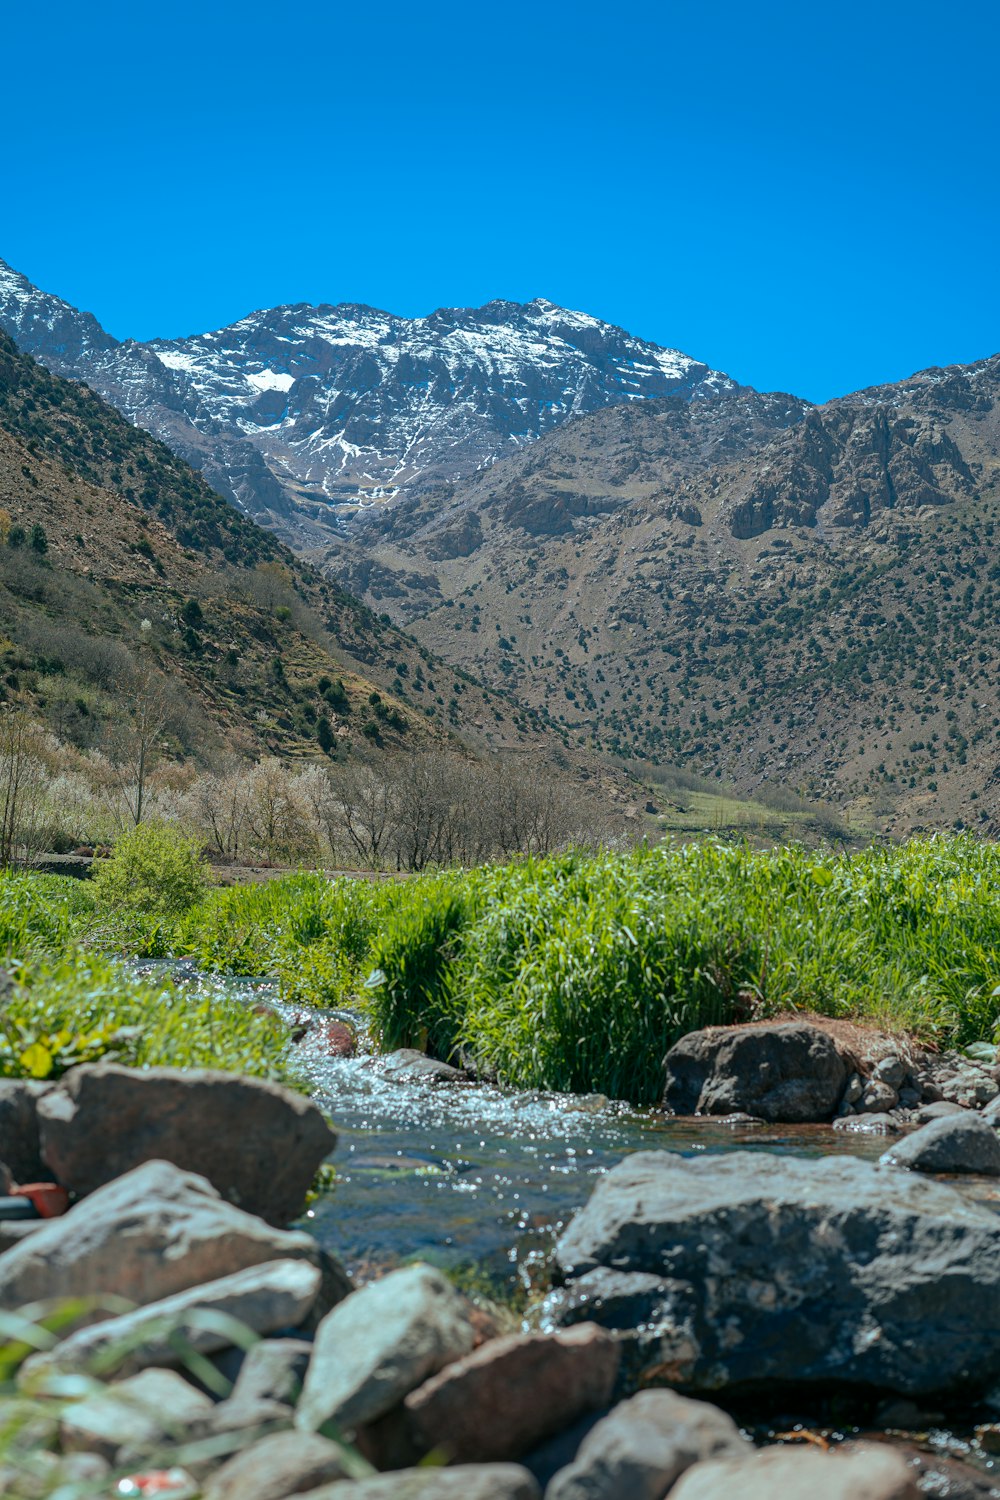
578 972
65 1000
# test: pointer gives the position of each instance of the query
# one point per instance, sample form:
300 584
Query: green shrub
154 868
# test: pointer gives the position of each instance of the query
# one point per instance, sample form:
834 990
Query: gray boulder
870 1471
267 1387
20 1149
285 1463
407 1065
782 1071
151 1233
379 1344
643 1447
273 1370
262 1300
136 1417
513 1393
955 1143
807 1271
940 1110
891 1070
460 1482
258 1143
877 1097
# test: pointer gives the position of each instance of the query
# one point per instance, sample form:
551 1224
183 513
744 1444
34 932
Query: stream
481 1180
479 1176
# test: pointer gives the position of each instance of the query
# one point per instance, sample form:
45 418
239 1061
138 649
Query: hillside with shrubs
162 656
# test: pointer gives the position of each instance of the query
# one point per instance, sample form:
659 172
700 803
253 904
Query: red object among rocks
48 1199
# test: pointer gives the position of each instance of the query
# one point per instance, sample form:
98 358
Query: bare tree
356 810
423 811
136 740
220 805
22 785
276 817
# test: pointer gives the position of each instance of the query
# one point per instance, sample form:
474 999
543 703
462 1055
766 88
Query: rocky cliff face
302 416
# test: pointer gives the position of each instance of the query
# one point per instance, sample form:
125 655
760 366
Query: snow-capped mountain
304 414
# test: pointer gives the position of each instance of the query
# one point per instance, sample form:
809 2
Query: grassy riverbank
575 972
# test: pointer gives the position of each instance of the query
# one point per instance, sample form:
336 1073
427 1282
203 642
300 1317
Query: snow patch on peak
271 380
175 360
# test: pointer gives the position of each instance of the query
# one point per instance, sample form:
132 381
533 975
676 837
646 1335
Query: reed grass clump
579 972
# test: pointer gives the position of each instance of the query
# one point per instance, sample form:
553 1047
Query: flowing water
471 1176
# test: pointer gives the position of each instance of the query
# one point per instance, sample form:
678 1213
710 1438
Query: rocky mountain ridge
763 591
303 415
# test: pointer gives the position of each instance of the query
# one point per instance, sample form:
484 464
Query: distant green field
575 972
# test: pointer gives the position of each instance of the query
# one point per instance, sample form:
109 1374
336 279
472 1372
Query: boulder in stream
782 1269
282 1464
264 1299
780 1071
259 1143
380 1343
407 1065
952 1144
136 1417
513 1393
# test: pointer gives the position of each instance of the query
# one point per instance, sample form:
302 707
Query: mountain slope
301 415
764 591
115 557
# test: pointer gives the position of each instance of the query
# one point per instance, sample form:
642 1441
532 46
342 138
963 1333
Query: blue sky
804 196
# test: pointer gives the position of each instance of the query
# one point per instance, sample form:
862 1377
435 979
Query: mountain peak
303 414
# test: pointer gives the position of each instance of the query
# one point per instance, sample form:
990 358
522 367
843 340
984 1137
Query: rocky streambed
746 1303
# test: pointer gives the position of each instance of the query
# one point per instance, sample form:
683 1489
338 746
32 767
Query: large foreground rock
136 1417
258 1143
870 1471
643 1447
151 1233
784 1269
264 1300
952 1144
782 1071
379 1344
513 1393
